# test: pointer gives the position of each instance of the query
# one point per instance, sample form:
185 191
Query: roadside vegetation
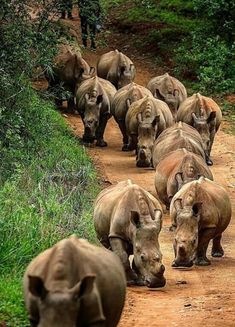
47 182
194 39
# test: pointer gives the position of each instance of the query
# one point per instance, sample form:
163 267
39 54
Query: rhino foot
101 143
202 261
217 253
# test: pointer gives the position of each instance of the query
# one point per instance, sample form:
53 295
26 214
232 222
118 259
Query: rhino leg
217 250
122 126
100 130
140 280
71 105
204 238
133 141
119 247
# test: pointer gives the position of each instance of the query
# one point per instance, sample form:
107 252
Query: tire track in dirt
208 296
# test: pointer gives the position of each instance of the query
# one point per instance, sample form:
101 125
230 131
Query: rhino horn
92 70
178 204
211 117
37 287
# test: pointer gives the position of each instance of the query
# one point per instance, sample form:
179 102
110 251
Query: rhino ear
158 218
132 67
155 121
176 93
135 218
92 71
178 204
84 287
99 99
157 94
128 103
195 119
197 208
139 117
211 117
37 287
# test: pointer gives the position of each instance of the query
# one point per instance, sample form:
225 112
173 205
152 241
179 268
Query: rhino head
91 116
205 126
186 236
146 249
125 75
59 308
147 131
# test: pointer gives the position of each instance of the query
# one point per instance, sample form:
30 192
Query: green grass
45 196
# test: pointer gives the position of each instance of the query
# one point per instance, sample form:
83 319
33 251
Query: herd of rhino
75 283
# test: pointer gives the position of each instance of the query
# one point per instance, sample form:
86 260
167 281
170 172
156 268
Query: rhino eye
143 257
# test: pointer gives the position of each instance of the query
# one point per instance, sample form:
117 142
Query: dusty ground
207 295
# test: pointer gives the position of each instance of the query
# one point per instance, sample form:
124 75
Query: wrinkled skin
200 211
128 220
116 68
205 116
68 285
94 98
147 131
70 70
176 169
168 89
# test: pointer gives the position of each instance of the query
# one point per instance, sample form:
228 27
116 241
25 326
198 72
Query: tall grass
46 197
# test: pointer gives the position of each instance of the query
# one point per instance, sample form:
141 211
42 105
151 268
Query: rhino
200 211
205 115
128 221
94 97
116 68
74 283
122 101
70 70
179 136
145 121
168 89
176 169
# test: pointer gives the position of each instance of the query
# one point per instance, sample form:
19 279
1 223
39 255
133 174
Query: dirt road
202 296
